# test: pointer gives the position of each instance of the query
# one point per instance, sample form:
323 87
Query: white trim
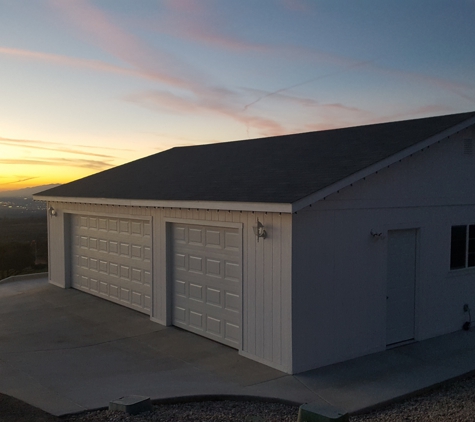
319 195
166 223
270 207
213 223
266 362
158 321
127 216
211 205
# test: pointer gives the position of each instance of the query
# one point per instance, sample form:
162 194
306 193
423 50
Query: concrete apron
65 351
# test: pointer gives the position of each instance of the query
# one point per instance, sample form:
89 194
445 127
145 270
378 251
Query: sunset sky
87 85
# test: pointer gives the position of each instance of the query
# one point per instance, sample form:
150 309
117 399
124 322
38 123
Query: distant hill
26 192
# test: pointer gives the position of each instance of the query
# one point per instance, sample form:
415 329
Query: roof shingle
280 169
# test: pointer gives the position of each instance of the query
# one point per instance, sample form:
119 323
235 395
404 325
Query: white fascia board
208 205
368 171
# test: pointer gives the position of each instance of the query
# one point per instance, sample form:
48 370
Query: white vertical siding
340 270
57 247
266 279
266 271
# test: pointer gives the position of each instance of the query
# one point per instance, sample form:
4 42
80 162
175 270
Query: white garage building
367 239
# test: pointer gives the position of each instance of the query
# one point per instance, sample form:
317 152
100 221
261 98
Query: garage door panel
137 298
195 236
232 241
147 302
94 285
232 302
232 271
213 267
114 291
103 245
213 326
147 254
196 320
213 238
103 288
125 295
195 264
83 242
196 292
113 247
136 252
180 261
111 258
103 266
232 333
180 288
213 296
93 244
179 235
124 249
207 281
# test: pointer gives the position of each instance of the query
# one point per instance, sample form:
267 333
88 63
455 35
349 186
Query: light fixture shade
259 230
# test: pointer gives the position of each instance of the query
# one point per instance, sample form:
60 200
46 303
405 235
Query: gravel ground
211 411
451 402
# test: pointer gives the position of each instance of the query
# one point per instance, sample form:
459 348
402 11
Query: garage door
111 258
207 281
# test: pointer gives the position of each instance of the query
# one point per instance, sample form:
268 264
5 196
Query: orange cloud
166 101
68 61
21 180
89 164
196 93
48 146
149 62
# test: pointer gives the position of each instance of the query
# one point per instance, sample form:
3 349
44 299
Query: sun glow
92 85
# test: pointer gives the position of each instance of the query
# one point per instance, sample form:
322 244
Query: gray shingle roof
281 169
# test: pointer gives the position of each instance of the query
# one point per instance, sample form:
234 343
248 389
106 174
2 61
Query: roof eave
368 171
208 205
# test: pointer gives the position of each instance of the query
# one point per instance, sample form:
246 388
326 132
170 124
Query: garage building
299 251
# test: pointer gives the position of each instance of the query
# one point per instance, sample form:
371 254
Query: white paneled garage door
207 281
111 258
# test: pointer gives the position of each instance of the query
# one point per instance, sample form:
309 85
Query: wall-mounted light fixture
259 230
52 212
376 235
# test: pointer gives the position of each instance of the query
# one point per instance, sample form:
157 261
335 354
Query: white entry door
400 296
207 281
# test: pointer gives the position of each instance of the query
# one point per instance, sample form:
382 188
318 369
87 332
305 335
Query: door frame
168 248
416 227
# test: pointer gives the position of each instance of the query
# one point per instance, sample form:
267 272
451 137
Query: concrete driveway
65 351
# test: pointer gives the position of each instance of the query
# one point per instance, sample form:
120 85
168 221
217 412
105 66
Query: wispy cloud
288 88
186 89
89 164
49 146
103 161
69 61
24 179
168 102
195 22
100 29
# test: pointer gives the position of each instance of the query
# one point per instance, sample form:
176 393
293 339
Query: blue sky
86 85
